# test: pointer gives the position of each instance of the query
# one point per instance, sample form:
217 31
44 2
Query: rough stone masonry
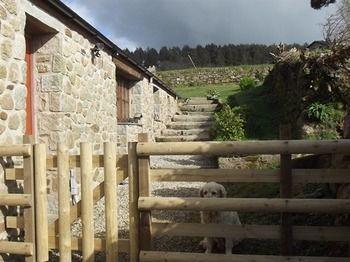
74 94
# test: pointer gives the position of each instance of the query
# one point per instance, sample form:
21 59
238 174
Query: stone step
189 132
190 138
190 113
192 118
199 108
199 102
189 125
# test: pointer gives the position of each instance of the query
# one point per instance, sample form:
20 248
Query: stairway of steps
192 124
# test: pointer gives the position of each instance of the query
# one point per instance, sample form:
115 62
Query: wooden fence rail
286 176
272 147
39 237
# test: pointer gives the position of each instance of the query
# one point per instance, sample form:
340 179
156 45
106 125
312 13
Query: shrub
247 83
228 124
212 93
318 112
329 119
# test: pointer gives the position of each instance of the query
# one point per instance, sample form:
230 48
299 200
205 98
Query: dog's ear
201 193
222 192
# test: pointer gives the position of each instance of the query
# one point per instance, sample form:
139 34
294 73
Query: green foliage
328 118
319 112
303 77
212 93
228 124
261 115
247 83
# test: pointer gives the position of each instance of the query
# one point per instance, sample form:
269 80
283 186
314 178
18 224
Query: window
123 99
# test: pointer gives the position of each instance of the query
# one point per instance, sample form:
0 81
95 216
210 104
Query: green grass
261 115
224 90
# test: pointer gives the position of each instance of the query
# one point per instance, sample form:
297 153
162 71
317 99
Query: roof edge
116 50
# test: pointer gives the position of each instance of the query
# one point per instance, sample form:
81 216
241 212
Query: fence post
42 241
111 203
28 188
87 206
286 192
63 203
144 189
133 202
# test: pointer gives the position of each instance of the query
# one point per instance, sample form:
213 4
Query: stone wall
76 93
74 97
155 105
215 75
12 82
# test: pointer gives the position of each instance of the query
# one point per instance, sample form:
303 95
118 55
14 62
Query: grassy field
261 115
224 90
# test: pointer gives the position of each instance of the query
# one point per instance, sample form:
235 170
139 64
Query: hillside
213 75
260 114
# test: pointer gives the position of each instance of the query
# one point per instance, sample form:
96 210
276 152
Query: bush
247 83
329 119
228 124
318 112
212 93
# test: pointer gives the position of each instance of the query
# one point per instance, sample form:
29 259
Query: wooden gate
39 237
30 197
142 204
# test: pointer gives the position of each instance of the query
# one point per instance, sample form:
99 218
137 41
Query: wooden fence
40 237
142 204
58 235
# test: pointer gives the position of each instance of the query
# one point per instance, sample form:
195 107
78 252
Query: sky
157 23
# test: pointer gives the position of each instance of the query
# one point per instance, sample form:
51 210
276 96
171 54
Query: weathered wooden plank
24 200
64 199
17 248
245 147
246 204
300 176
111 202
144 191
87 199
309 233
123 244
134 215
40 193
157 256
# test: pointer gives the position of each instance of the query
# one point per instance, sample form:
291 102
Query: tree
337 27
152 57
318 4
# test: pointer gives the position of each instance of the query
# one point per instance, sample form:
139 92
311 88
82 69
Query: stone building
58 80
62 80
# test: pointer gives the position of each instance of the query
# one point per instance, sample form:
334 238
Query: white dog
215 190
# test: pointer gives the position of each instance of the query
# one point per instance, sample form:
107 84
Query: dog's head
212 190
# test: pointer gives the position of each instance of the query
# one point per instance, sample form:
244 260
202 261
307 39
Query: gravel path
159 189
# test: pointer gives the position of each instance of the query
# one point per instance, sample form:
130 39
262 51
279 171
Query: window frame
123 99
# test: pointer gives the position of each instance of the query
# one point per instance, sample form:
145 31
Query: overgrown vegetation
301 78
247 83
228 124
326 120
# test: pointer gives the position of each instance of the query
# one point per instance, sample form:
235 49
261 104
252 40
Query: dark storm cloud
157 23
